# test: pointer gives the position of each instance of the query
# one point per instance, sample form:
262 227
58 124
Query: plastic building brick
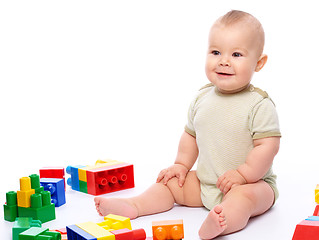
83 186
83 176
98 164
126 234
25 192
76 233
110 179
96 231
170 229
123 234
53 172
63 233
103 177
56 187
21 224
306 230
113 228
115 222
317 194
78 179
312 218
39 233
35 183
10 209
41 207
74 180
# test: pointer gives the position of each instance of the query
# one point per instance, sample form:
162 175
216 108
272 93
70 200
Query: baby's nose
224 62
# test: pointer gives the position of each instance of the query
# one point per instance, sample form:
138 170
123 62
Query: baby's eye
215 52
237 54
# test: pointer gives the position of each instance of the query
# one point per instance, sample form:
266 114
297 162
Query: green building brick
22 224
83 186
10 209
35 183
41 207
39 233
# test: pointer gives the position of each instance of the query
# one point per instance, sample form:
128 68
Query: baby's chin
230 90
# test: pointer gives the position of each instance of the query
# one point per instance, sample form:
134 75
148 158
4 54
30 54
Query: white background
82 80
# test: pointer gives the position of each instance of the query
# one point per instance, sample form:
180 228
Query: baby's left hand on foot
230 179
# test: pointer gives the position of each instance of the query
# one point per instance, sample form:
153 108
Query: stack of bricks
309 228
112 228
52 179
30 201
103 177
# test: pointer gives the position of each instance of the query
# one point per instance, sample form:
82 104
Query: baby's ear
261 62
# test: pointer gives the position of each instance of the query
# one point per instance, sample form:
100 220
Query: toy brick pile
113 227
119 228
38 196
36 199
308 229
35 204
103 177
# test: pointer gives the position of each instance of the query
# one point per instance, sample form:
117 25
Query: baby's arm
258 162
185 159
260 159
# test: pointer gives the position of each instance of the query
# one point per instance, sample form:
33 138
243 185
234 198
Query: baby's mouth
225 74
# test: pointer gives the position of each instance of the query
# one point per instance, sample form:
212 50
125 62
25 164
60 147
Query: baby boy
233 134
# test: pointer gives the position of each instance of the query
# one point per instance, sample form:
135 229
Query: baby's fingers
181 180
219 182
161 175
227 187
167 177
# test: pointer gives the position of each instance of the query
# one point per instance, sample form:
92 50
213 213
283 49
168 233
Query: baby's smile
225 74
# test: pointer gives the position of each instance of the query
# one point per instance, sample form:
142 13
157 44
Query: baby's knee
250 194
176 190
171 182
245 192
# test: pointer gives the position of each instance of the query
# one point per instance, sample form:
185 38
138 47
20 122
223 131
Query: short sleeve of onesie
264 120
189 128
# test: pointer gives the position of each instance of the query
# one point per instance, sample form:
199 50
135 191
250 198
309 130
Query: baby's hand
176 170
230 179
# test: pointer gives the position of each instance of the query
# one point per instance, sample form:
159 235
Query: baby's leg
158 198
238 205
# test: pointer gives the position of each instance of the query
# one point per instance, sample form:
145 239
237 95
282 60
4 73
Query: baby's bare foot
118 206
214 224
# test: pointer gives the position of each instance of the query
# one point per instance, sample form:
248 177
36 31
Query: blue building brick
74 180
56 187
76 233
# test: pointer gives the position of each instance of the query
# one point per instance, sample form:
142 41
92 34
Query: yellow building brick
23 196
116 222
96 231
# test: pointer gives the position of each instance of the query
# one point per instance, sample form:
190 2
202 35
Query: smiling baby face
234 54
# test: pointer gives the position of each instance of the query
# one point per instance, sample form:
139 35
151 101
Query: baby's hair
236 16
